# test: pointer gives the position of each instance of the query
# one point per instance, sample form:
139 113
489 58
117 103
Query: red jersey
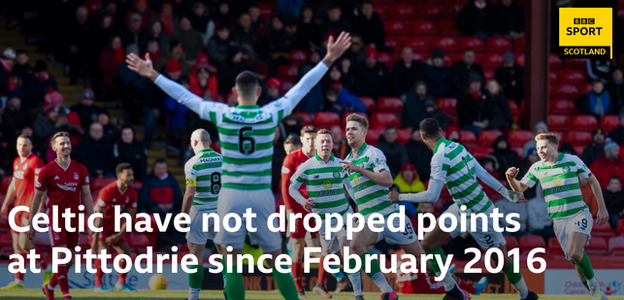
289 167
25 172
111 196
63 185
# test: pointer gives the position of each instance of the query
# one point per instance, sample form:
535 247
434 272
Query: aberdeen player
26 168
62 181
118 193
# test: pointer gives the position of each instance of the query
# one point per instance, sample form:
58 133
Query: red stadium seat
326 119
616 245
418 44
553 77
480 152
492 60
421 57
608 123
266 10
519 44
422 27
530 242
512 242
370 104
468 138
554 247
517 138
345 115
561 106
394 42
447 105
393 27
584 88
287 73
602 230
513 106
578 138
286 86
99 182
572 76
597 246
404 136
559 122
520 58
454 9
402 12
6 243
381 120
385 58
429 12
564 91
6 181
584 122
576 63
382 11
619 229
447 28
498 44
372 137
298 57
389 105
488 73
476 43
554 61
93 6
4 225
487 137
447 44
307 120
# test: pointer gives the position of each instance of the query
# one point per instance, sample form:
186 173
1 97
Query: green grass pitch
33 294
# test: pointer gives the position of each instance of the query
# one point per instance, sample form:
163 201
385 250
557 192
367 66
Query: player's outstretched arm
602 216
487 178
431 195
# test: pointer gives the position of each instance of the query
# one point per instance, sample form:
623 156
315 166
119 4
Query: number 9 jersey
203 171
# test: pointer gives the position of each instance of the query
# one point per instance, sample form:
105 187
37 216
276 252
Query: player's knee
506 261
426 245
357 247
576 255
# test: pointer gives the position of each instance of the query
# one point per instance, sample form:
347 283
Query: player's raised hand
350 167
142 66
336 48
308 205
512 173
393 196
519 196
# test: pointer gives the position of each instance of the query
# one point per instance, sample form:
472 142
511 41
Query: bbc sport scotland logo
612 287
585 32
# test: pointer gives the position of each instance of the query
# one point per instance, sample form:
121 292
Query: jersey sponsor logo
205 160
359 187
557 181
18 174
70 188
327 185
329 193
56 177
559 189
356 180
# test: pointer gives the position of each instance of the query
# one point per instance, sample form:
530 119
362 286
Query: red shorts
21 220
300 231
108 230
63 237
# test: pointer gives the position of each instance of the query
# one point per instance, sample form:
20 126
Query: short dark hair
308 129
121 167
246 83
291 140
430 128
615 177
23 136
21 51
390 127
467 50
223 27
160 161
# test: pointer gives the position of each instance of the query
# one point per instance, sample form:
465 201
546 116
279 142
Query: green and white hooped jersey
454 165
204 172
560 184
369 196
325 184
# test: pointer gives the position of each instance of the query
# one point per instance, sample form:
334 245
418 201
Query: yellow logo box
585 32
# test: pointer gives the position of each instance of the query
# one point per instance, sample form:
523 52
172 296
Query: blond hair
360 119
550 137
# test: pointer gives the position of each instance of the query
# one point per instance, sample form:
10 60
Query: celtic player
203 182
246 133
558 174
452 165
324 181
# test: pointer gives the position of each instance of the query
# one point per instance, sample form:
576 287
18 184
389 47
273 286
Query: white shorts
488 239
564 227
262 203
333 244
398 238
196 234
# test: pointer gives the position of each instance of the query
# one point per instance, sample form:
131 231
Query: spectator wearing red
160 191
173 69
273 92
608 165
204 84
371 77
461 71
190 38
70 120
153 49
7 61
110 59
142 9
176 53
44 78
369 26
595 148
478 18
166 17
471 107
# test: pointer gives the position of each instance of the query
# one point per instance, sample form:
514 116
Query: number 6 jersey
203 171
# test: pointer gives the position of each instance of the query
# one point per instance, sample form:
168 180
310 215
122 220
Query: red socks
297 272
465 286
322 274
20 275
98 273
63 282
122 276
42 263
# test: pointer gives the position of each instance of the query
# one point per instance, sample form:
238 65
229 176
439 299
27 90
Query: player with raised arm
26 168
119 193
558 174
203 182
62 181
452 165
324 183
369 178
246 133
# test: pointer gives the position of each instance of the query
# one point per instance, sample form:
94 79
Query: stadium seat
4 225
554 247
498 44
422 27
619 229
447 44
447 105
372 137
476 43
286 86
370 104
513 106
402 12
517 138
98 183
568 76
468 138
298 57
447 28
480 152
578 138
519 44
393 27
266 10
325 119
520 59
287 73
394 42
389 105
512 242
492 60
385 58
487 137
584 122
6 181
559 122
553 77
418 44
6 244
488 73
345 115
421 57
561 106
454 9
93 6
616 245
519 151
564 91
608 123
307 120
602 230
576 63
530 242
554 61
584 88
382 11
597 246
429 12
404 136
381 120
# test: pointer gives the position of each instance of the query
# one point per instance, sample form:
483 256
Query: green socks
434 262
196 279
235 288
285 284
586 267
374 264
511 276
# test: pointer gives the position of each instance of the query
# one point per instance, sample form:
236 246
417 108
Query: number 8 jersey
204 172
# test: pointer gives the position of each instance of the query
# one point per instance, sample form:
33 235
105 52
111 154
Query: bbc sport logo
585 32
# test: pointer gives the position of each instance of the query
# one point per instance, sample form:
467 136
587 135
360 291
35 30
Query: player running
324 183
203 182
370 178
246 133
454 166
26 169
118 193
558 174
62 180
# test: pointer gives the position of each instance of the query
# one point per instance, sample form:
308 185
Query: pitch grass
33 294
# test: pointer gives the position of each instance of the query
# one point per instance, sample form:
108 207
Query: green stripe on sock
374 264
434 262
586 267
511 276
285 284
196 279
235 287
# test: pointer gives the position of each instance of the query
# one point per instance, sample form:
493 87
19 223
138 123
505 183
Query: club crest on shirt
566 169
336 174
76 177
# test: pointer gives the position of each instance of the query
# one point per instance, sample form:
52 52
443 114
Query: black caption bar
585 52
